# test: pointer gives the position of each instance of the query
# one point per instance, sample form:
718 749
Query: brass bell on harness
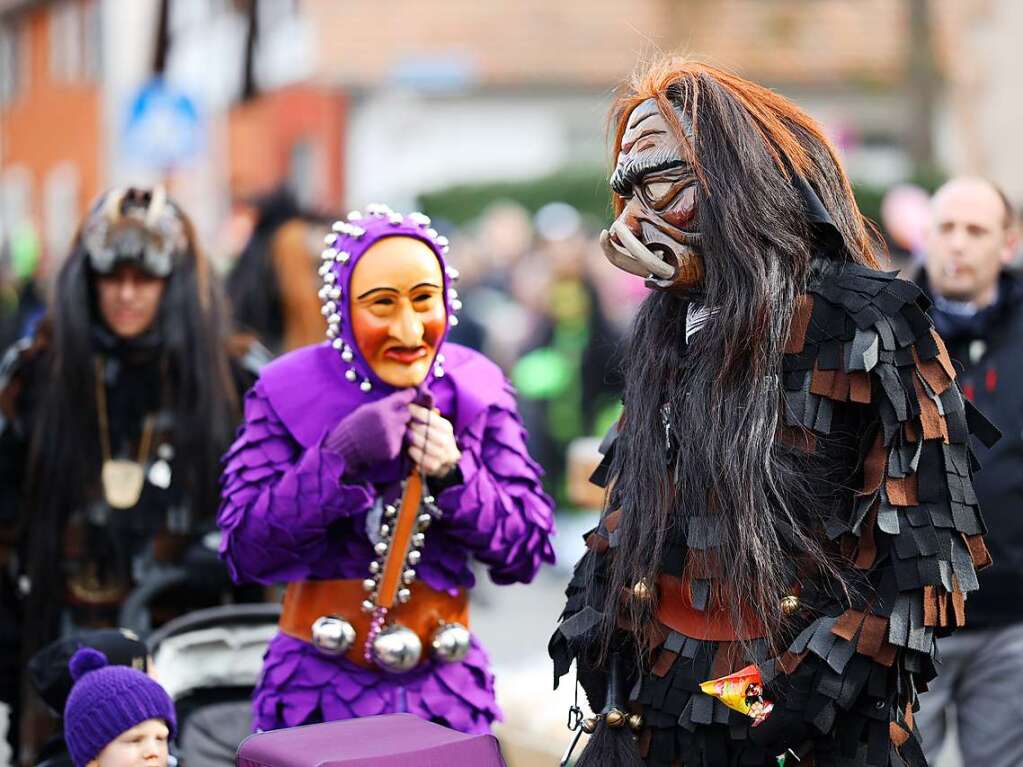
641 590
397 649
450 642
615 717
332 635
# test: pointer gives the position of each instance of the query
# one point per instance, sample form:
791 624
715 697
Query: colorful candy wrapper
742 691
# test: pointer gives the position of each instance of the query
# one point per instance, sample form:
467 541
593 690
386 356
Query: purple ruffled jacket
292 511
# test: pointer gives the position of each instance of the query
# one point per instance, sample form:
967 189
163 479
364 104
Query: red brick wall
262 132
598 42
52 122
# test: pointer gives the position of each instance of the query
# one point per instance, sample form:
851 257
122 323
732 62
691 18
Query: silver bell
397 649
450 642
332 635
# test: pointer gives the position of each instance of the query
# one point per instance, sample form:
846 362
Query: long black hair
252 284
64 453
722 397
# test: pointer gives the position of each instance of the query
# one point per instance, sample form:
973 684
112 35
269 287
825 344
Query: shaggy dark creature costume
789 485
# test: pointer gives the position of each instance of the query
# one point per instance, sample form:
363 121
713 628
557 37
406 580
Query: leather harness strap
427 610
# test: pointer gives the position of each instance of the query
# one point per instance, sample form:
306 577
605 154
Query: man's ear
1012 240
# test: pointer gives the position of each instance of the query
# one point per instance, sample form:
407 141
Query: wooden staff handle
401 541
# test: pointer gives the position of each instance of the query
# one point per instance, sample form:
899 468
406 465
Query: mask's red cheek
433 327
370 332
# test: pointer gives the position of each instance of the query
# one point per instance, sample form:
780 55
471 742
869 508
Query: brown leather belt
675 610
427 610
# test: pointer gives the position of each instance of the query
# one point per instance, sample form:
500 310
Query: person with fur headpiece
115 413
789 498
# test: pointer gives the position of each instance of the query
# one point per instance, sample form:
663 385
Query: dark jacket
108 551
988 353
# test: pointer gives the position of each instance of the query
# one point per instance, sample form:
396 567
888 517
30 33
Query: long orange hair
786 130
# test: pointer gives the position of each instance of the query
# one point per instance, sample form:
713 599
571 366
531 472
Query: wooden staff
401 541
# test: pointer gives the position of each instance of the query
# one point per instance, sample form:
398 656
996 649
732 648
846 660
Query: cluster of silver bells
396 648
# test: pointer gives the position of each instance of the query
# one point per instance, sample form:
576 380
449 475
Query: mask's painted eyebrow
632 169
371 291
395 291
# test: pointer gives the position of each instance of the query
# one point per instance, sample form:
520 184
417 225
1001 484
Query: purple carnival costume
297 508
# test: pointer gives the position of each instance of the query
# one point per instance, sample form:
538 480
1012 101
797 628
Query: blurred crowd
539 298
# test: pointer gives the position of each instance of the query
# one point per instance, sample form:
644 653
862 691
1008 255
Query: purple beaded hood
346 244
311 388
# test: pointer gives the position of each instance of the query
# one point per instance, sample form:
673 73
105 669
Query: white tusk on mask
641 252
619 257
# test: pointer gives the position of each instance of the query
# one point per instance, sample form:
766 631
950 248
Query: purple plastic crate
392 740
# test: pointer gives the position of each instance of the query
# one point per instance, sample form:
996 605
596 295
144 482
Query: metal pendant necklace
122 479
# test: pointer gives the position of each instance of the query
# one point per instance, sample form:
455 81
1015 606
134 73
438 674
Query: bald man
978 310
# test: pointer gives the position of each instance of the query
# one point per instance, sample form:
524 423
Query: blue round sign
163 128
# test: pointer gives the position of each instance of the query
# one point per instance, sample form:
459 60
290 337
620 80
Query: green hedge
583 188
869 197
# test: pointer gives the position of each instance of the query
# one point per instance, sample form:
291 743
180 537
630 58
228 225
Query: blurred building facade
51 156
291 135
358 100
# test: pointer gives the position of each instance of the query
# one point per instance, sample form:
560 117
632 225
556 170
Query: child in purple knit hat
116 716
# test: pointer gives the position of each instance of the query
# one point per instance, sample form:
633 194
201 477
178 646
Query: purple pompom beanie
107 700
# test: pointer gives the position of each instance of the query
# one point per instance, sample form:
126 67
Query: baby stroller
209 661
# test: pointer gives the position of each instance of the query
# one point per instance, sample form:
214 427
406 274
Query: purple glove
373 433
